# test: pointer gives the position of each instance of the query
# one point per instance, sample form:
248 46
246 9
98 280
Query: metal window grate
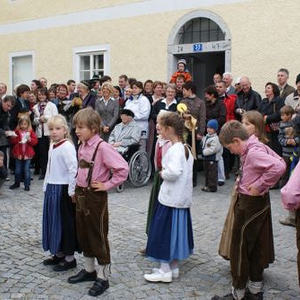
200 30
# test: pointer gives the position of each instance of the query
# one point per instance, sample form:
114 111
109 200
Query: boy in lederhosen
101 168
252 248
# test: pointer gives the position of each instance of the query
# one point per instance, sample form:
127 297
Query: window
200 30
91 61
21 68
91 64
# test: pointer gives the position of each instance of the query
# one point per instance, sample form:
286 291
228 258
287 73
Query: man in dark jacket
284 88
248 99
21 106
215 108
5 106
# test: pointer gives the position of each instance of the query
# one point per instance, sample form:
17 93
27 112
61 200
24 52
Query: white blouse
62 166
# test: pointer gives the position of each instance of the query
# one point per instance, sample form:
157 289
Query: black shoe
54 260
250 296
27 188
220 183
99 287
14 186
65 265
208 189
83 275
226 297
41 177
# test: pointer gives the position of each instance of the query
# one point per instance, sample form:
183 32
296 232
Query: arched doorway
204 40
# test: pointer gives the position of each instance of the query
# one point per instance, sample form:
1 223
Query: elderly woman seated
126 133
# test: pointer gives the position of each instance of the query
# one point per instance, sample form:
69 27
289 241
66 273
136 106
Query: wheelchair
140 167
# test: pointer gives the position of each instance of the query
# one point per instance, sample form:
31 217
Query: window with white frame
90 61
91 64
21 69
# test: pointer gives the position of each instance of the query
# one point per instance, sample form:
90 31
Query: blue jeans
23 167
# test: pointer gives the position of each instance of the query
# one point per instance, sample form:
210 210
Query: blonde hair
22 119
162 113
108 86
60 120
256 118
89 118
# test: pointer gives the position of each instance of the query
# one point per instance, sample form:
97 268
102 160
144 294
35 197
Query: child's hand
116 145
105 129
253 191
73 199
291 142
98 186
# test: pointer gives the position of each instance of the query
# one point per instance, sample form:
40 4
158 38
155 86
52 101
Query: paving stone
23 276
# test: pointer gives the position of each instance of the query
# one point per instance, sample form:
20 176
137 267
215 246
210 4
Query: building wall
264 38
21 10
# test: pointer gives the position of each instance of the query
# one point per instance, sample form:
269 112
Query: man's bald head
245 84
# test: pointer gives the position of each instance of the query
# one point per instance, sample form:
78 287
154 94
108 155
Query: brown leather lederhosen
252 247
92 219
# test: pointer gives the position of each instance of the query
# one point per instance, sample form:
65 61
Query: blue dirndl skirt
52 225
171 234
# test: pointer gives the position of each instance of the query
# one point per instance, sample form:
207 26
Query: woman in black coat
270 109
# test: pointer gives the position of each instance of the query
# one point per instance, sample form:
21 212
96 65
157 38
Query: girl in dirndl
59 227
161 148
170 237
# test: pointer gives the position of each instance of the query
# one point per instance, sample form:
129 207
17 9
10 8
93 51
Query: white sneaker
175 272
159 276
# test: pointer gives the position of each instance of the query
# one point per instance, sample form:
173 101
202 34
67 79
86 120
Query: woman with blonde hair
108 109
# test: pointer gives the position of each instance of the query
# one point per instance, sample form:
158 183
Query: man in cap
126 133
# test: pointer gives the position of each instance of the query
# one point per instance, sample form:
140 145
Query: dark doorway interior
202 66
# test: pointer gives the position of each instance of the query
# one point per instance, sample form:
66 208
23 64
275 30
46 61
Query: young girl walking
59 234
101 168
161 148
170 234
23 143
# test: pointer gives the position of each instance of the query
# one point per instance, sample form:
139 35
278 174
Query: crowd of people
74 136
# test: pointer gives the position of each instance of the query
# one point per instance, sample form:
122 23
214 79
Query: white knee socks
89 264
165 267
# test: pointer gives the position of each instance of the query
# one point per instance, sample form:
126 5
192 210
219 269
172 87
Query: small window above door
200 30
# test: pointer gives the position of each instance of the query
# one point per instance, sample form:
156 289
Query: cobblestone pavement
22 276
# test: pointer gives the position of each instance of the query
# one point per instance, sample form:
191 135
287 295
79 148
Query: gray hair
228 74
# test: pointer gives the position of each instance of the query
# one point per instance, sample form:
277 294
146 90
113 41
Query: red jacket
186 75
23 151
229 102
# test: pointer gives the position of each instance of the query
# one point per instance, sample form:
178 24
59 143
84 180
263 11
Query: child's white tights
165 267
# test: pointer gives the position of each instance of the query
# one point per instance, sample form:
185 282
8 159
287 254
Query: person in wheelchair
125 134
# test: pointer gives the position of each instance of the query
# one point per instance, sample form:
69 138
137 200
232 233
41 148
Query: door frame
174 48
